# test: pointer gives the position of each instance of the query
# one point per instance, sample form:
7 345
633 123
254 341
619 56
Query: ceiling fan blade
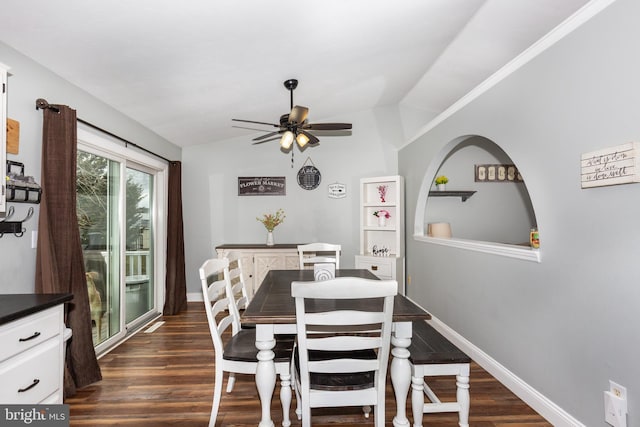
248 128
265 140
298 114
267 135
258 123
327 126
312 138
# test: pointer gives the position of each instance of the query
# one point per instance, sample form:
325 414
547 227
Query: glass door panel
139 280
98 195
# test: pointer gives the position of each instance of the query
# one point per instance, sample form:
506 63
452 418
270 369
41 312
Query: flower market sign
262 186
610 166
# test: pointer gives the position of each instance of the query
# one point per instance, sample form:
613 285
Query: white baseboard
541 404
194 297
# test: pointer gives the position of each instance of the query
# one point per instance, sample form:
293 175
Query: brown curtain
176 282
59 261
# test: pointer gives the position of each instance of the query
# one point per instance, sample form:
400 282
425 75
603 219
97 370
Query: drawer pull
35 335
374 267
35 383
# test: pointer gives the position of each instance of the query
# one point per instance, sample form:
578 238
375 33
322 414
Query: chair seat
336 381
242 347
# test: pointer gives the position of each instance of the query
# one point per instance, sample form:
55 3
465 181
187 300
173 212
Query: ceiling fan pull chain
292 158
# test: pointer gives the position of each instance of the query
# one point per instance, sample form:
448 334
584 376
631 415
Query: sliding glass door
117 202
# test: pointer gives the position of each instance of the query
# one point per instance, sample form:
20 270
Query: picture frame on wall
497 173
262 186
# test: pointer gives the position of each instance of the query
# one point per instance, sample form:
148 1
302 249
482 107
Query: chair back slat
314 253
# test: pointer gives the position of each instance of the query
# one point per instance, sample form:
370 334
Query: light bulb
302 139
287 140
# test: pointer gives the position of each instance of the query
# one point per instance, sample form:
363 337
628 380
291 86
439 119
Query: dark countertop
17 306
259 246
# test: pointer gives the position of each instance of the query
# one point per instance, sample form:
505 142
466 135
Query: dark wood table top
273 303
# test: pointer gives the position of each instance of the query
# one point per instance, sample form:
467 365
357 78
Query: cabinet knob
374 267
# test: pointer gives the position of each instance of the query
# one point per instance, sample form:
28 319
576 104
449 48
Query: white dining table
272 310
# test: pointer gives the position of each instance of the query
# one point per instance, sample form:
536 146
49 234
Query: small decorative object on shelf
383 251
382 191
270 222
382 215
441 182
534 238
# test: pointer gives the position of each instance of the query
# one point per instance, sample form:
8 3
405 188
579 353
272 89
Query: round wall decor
309 177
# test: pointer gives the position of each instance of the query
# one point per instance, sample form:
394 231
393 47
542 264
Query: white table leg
285 398
401 370
417 399
266 371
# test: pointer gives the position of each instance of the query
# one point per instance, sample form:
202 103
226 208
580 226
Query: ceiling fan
294 125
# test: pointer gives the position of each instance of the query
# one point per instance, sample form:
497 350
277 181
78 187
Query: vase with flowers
382 191
270 222
383 216
441 182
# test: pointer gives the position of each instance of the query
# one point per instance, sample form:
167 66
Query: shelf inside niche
464 195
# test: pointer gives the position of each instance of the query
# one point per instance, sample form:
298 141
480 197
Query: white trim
532 397
573 22
194 297
502 249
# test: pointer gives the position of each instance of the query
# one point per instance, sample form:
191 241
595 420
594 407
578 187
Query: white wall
29 81
215 214
570 323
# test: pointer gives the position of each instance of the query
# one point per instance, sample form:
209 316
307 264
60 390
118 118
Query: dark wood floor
165 378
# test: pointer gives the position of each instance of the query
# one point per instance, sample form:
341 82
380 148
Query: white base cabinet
257 260
385 268
32 357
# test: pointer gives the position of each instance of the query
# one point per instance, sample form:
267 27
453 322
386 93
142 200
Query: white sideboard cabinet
382 241
32 348
258 259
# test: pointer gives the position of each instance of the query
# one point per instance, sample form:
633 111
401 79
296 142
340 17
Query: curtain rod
42 104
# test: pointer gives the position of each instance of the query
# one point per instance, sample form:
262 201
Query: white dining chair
234 347
236 277
313 253
341 355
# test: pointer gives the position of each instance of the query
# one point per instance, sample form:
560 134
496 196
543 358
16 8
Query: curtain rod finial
41 104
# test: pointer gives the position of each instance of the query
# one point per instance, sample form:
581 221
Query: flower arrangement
442 179
382 213
382 191
271 221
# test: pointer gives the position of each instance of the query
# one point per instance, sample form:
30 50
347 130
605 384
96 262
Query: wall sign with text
497 173
262 186
611 166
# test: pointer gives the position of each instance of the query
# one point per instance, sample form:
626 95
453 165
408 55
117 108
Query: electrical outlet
618 390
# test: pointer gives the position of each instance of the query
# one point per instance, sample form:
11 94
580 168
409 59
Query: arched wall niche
496 219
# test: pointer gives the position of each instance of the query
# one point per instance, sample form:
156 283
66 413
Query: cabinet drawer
26 333
36 372
383 268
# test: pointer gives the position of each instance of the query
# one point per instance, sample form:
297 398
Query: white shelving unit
382 247
3 135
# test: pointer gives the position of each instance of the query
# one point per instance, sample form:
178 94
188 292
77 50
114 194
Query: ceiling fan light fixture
302 139
286 140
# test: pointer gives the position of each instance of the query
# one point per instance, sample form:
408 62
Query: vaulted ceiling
184 69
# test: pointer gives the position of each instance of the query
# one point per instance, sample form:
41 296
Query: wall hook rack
9 214
14 227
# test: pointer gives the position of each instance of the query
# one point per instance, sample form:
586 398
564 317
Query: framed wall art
497 173
262 186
